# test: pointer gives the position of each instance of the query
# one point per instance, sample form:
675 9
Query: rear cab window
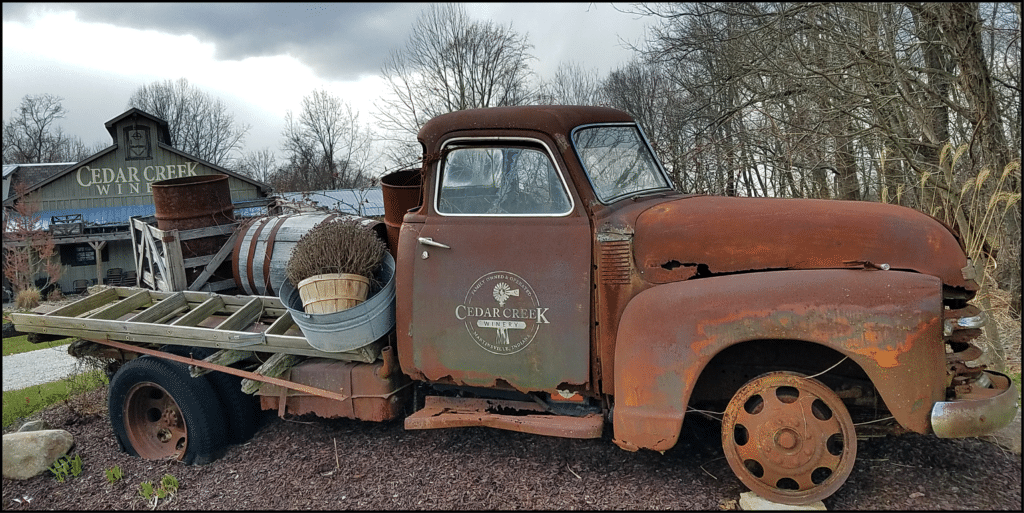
501 178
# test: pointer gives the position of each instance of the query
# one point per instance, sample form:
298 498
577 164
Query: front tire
157 411
789 438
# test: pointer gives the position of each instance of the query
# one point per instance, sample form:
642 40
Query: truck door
502 271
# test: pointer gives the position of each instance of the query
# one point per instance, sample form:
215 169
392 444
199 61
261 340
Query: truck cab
499 259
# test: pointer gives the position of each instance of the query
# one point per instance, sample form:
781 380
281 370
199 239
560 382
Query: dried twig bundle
336 246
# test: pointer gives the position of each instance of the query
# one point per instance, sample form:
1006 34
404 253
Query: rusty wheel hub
789 438
154 423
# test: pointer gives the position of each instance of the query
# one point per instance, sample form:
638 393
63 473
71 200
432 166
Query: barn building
88 205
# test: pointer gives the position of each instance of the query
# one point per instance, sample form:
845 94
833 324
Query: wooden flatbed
236 325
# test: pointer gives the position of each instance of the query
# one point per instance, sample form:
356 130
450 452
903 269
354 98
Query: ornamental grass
336 246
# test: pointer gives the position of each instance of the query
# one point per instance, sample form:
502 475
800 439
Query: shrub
337 246
28 298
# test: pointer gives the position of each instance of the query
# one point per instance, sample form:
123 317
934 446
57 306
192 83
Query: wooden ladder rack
201 319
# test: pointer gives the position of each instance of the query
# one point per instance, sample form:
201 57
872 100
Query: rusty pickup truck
548 278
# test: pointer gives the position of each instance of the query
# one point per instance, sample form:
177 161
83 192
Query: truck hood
708 235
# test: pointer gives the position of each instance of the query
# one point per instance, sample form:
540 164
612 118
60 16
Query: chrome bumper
979 412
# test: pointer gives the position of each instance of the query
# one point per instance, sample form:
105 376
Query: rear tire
157 411
241 409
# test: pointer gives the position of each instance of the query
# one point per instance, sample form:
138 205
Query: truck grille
615 263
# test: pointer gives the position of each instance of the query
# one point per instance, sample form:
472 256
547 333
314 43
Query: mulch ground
340 464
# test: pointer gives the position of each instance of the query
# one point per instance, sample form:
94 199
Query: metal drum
195 202
402 192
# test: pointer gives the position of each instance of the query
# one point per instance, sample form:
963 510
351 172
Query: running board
526 417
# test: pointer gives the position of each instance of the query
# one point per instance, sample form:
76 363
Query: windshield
618 161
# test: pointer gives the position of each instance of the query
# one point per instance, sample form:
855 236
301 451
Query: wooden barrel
264 246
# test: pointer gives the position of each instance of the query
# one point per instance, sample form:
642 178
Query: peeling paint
883 321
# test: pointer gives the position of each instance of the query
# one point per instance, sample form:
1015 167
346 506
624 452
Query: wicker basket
329 293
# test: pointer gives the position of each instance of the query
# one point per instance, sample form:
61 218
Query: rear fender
888 322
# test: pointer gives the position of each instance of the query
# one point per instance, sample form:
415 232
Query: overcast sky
260 59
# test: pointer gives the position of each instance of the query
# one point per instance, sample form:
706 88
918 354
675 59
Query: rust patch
525 417
369 396
889 323
750 234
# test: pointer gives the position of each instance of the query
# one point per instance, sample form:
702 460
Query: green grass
20 344
19 404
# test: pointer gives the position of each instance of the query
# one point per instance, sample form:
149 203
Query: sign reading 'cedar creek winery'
130 180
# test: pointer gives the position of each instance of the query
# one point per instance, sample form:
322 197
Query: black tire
111 367
158 411
241 409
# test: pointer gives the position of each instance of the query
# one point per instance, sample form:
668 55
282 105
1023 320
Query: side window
501 181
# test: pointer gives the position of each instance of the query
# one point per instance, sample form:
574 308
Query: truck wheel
241 409
789 438
157 411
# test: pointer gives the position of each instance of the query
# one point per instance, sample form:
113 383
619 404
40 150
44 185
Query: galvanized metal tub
351 328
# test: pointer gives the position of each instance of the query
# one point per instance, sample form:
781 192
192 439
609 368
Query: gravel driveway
37 367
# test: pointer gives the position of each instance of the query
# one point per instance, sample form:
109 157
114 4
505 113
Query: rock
9 330
29 453
33 425
96 289
750 501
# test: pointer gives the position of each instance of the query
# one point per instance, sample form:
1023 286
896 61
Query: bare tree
258 165
32 136
911 103
199 124
642 89
451 63
326 147
572 85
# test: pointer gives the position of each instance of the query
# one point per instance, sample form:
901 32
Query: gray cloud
345 41
340 41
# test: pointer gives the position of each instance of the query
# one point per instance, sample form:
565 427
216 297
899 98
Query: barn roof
362 202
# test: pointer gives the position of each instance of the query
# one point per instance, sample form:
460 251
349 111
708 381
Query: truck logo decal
502 313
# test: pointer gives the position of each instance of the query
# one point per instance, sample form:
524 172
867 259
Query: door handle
427 241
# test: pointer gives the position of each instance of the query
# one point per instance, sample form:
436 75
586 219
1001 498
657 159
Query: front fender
888 322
